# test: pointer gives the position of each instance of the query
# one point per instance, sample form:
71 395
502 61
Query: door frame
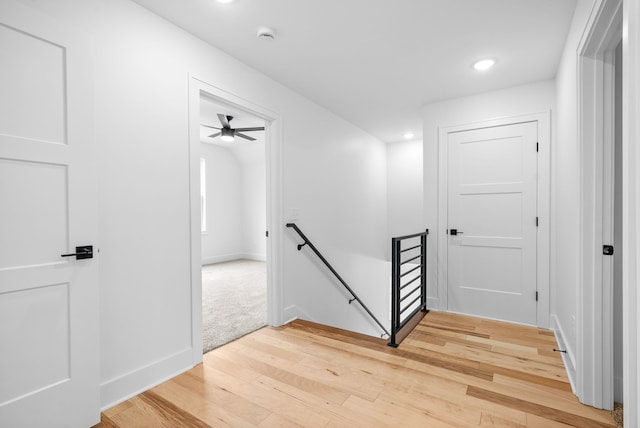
596 134
542 199
273 154
631 207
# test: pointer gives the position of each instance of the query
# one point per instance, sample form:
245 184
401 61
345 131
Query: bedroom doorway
273 227
232 223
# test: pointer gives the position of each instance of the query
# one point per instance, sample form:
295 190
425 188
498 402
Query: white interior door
49 372
492 181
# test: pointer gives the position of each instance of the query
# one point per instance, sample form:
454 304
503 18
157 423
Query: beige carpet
234 301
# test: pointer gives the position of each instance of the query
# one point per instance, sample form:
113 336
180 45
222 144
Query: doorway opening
271 228
233 223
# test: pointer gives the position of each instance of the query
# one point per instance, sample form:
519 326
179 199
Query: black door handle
454 232
82 252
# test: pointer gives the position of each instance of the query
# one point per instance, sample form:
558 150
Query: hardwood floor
451 371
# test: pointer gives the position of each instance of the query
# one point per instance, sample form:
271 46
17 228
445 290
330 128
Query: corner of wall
129 385
294 312
223 258
568 358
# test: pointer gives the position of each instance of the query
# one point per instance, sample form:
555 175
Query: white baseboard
433 303
122 388
255 256
222 258
568 357
236 256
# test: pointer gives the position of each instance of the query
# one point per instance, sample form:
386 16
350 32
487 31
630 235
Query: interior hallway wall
335 176
338 191
404 189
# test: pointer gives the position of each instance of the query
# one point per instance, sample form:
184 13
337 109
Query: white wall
565 191
236 203
223 239
521 100
254 208
335 175
404 189
339 189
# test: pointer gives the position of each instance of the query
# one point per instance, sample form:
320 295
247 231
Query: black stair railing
405 251
333 271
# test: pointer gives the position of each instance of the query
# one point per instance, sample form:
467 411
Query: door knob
454 232
82 252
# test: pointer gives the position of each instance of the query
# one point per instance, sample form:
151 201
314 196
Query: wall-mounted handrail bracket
338 277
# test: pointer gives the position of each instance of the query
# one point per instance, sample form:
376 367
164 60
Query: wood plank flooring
451 371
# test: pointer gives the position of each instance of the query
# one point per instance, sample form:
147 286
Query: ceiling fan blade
246 137
259 128
224 120
215 135
209 126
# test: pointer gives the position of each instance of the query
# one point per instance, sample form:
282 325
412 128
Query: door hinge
536 221
537 147
536 296
267 233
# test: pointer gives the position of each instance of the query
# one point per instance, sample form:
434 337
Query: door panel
42 189
32 102
492 203
43 316
48 304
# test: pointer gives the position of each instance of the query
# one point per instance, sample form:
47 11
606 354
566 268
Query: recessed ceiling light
225 1
484 64
409 135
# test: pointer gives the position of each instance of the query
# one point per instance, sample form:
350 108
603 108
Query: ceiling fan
227 133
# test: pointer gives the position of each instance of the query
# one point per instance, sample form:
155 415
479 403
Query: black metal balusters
399 293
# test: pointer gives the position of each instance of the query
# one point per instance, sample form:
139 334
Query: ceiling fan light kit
227 134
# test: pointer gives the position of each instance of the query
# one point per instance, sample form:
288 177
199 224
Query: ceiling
377 62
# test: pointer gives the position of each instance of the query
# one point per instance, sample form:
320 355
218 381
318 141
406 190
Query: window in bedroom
203 195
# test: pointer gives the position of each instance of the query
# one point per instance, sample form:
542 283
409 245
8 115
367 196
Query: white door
492 180
49 372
